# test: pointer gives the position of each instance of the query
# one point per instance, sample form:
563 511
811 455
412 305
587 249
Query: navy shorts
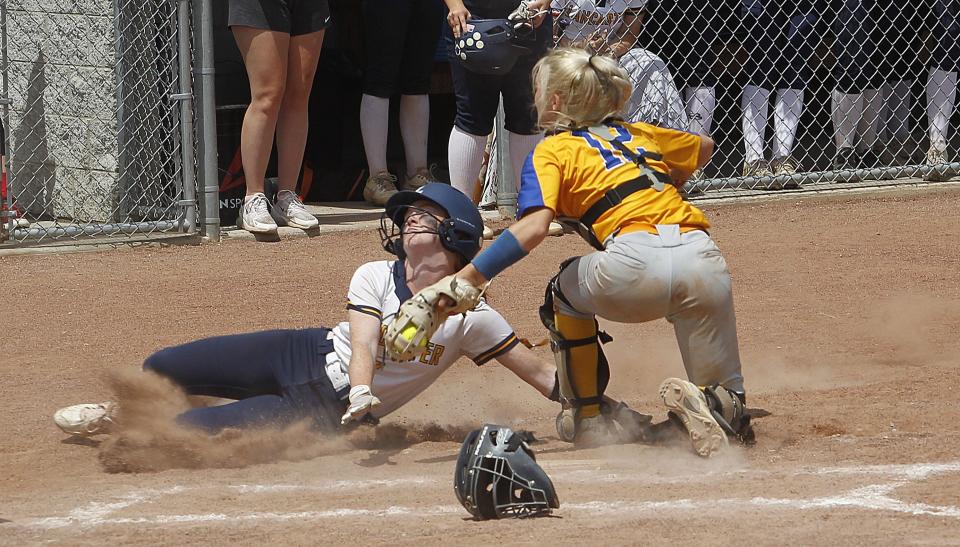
478 95
277 377
401 38
293 17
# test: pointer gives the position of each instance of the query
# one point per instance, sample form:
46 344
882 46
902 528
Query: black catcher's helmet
492 46
497 476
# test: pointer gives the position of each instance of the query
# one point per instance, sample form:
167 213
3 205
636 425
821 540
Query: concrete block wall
90 121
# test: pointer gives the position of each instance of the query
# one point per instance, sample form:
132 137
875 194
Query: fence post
188 172
507 189
206 118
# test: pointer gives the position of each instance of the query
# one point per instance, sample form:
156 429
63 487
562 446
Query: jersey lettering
612 158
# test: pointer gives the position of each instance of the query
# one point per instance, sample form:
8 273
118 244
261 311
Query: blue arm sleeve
502 254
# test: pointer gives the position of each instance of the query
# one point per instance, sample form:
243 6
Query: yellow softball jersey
570 171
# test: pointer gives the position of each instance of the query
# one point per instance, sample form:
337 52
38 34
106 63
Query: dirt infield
848 311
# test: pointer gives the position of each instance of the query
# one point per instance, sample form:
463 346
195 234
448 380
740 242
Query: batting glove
361 401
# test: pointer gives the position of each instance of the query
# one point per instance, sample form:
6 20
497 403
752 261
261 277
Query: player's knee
159 362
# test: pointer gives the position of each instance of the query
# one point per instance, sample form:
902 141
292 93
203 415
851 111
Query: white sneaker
255 215
488 232
555 229
289 211
86 419
685 401
380 187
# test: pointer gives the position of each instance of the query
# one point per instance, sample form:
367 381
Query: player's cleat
688 404
420 178
380 187
845 159
289 211
785 166
86 419
255 215
595 431
937 157
757 168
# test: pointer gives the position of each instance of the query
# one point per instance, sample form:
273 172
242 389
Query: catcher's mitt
418 318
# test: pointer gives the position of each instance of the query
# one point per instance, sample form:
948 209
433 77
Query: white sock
755 103
869 126
846 109
414 128
520 148
465 155
374 121
701 102
941 94
896 100
786 117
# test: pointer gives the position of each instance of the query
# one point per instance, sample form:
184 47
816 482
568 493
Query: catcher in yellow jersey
618 183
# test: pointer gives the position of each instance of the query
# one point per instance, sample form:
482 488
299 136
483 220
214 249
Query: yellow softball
410 332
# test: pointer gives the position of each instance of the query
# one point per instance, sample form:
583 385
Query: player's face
420 225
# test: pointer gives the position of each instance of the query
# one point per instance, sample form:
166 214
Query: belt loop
669 234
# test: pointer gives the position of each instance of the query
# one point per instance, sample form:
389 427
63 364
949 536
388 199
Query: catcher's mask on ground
497 476
460 233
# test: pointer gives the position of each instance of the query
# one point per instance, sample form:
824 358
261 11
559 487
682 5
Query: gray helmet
497 476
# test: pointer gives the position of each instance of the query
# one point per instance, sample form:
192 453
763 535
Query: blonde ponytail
590 89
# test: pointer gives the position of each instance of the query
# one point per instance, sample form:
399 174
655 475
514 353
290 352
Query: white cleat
289 211
687 402
86 419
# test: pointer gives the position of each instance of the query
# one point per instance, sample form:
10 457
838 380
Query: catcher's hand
421 316
361 401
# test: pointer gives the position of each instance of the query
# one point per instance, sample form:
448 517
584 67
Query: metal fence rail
793 91
97 106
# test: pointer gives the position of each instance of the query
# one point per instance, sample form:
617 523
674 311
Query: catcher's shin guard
730 410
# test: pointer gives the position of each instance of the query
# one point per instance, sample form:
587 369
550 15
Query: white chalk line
871 497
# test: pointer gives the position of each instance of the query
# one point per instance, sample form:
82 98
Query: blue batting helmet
461 232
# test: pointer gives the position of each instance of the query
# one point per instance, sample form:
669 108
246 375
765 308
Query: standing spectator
779 46
612 27
942 81
853 72
401 39
280 41
478 95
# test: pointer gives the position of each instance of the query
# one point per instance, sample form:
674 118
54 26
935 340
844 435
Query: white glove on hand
361 401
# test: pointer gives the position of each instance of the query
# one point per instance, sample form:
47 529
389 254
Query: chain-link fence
97 112
793 91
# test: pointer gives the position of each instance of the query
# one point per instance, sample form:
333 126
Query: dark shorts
478 95
293 17
401 38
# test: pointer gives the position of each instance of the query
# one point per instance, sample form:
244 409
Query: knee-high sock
701 102
580 374
896 107
786 117
465 154
869 127
414 127
846 111
520 148
755 104
374 122
941 94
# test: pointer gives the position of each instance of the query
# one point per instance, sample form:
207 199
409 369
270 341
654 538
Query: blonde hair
591 88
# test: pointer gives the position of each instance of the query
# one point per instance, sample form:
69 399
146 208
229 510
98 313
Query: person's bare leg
265 57
293 122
